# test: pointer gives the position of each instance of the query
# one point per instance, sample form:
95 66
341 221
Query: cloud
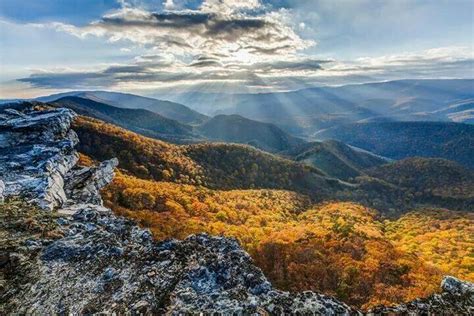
219 42
169 5
232 28
158 71
443 61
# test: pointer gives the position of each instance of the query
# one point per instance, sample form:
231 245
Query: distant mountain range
396 119
310 110
142 121
222 128
167 109
398 140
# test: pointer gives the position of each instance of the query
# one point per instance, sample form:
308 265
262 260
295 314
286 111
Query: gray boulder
36 152
82 185
456 298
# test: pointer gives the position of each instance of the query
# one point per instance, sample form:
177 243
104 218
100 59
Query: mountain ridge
168 109
139 120
398 140
235 128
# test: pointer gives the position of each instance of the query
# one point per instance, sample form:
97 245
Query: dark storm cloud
217 26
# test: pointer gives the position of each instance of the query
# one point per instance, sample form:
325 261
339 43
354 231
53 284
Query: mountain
335 158
220 128
237 129
398 140
214 165
142 121
307 111
167 109
438 177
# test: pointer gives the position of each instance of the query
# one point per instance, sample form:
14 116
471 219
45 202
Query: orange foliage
335 248
85 160
442 238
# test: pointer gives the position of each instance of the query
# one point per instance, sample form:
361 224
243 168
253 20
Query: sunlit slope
335 158
441 238
223 166
341 249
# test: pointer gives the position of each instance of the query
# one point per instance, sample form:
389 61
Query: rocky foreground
62 252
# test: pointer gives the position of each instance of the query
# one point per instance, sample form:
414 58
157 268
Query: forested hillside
237 129
335 158
441 238
223 166
428 176
290 217
338 248
231 166
398 140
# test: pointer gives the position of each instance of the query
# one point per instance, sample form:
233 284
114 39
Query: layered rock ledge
62 252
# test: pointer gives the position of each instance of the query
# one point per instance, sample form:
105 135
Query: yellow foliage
338 248
442 238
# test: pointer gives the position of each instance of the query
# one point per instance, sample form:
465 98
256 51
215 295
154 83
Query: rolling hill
141 121
171 110
307 111
214 165
232 166
428 176
395 188
335 158
398 140
221 128
237 129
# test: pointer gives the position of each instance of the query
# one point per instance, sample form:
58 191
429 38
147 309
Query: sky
223 46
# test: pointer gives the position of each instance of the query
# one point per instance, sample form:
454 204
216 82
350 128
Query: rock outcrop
83 259
82 185
36 152
106 264
456 298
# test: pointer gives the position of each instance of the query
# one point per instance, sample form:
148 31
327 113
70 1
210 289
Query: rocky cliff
62 252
